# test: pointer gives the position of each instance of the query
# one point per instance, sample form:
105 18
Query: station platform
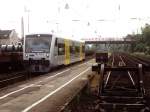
47 93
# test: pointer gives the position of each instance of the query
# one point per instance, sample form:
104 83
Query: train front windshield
39 44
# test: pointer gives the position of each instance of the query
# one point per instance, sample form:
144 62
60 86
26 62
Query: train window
56 42
77 49
71 49
61 49
83 48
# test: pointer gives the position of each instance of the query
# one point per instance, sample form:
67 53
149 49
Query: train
11 58
42 52
101 57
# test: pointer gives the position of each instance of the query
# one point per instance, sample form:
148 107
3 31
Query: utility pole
28 12
22 27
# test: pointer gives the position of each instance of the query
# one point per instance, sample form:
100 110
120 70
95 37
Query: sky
76 18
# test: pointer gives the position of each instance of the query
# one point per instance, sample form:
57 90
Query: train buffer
121 88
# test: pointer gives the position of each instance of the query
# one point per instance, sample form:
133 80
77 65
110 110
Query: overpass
111 42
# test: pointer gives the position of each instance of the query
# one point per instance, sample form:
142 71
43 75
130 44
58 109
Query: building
9 37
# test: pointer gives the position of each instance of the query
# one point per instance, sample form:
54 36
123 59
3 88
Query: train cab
36 53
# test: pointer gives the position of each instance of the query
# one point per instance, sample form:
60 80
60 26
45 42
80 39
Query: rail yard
117 82
77 80
74 56
51 74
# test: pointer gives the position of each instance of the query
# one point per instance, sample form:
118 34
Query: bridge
109 41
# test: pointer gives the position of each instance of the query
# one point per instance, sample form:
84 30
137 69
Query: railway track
115 82
122 87
60 85
12 78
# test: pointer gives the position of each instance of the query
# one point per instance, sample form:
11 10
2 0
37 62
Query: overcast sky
76 18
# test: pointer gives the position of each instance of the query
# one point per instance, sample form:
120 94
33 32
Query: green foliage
143 40
146 34
140 47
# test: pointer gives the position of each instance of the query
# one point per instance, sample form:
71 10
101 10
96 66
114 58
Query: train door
55 61
67 52
77 52
60 51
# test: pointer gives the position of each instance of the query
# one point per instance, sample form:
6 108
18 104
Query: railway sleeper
122 104
122 107
121 99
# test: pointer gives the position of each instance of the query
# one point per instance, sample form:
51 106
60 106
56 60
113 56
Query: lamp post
22 27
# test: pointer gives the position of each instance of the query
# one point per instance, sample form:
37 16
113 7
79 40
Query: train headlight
26 55
47 55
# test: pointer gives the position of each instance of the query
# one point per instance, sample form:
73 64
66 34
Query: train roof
70 39
57 36
39 34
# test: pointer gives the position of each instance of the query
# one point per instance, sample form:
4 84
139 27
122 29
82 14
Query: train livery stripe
67 52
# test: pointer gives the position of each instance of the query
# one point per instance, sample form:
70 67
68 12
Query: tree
140 47
146 37
143 40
